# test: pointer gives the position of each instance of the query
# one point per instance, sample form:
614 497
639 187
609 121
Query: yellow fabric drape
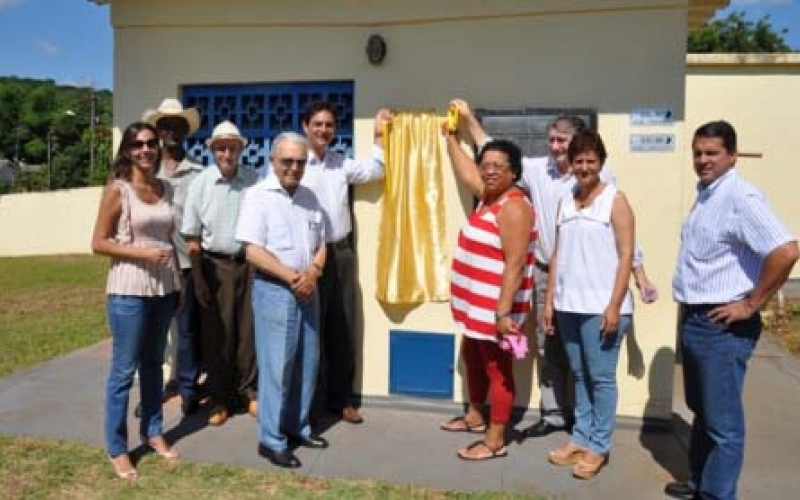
413 261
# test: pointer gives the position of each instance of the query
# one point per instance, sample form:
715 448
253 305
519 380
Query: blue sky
70 41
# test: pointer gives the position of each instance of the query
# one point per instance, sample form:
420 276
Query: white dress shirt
724 241
330 177
290 227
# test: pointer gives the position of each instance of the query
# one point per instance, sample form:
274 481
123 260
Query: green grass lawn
49 306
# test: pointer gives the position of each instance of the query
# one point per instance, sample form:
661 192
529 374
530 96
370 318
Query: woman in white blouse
588 296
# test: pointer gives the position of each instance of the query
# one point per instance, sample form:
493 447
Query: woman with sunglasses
134 227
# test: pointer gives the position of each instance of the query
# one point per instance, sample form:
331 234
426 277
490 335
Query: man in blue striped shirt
734 255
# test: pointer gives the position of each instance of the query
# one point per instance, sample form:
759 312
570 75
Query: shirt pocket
315 224
280 235
705 244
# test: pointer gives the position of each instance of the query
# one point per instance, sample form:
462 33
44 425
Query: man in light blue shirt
734 255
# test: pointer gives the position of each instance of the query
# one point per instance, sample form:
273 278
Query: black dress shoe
543 428
312 441
681 489
284 458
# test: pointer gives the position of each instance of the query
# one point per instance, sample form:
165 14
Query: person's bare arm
515 221
623 224
774 272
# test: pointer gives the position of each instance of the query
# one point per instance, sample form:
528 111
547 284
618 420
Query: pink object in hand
516 344
649 295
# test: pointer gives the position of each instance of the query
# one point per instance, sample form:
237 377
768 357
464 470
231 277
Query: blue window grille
264 110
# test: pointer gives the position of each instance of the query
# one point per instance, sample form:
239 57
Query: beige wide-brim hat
173 107
225 130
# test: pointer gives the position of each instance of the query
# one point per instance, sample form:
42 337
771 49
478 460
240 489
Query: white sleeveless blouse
587 256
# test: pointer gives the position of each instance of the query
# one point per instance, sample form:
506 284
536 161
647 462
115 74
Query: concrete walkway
400 441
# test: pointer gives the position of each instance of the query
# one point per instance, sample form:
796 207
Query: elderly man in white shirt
329 175
547 179
281 227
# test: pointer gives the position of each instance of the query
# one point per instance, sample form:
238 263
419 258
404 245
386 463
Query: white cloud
7 4
46 48
748 3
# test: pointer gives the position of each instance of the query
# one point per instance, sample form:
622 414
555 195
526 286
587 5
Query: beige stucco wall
48 223
610 55
759 94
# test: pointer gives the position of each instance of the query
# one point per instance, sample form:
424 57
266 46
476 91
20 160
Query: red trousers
489 372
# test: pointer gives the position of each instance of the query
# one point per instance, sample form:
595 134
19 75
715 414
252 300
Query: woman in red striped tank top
491 291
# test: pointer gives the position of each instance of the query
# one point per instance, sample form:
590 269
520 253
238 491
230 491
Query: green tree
737 34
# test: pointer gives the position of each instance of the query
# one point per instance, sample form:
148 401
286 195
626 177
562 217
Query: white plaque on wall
645 143
652 116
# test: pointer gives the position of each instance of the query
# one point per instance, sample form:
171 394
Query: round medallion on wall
376 49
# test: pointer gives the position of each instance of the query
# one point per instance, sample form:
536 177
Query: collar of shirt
313 159
705 192
238 177
553 170
271 183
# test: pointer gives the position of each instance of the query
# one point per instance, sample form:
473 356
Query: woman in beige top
134 227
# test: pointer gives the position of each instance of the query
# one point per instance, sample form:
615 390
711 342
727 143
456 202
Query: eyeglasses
288 163
150 143
233 148
493 167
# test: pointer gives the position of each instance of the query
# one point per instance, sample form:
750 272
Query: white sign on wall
652 116
646 143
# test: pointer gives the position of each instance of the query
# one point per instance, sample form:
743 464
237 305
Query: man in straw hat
221 275
174 125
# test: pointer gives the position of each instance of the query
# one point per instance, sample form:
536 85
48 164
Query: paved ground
400 441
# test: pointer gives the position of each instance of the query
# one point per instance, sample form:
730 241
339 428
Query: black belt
343 244
545 268
238 257
699 308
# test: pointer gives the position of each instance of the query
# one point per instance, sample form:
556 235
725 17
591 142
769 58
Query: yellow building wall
55 222
609 55
760 96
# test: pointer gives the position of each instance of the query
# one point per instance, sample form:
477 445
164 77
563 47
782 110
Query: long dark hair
121 168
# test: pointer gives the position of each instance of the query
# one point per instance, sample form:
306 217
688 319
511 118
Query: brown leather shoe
218 416
351 415
252 408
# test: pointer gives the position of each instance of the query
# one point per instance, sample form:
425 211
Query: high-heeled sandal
587 469
169 454
569 454
130 474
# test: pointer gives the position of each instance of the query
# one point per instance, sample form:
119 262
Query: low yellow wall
48 223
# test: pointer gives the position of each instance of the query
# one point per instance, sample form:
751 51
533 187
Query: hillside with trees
43 125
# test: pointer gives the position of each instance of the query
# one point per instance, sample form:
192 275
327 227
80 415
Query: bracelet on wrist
498 316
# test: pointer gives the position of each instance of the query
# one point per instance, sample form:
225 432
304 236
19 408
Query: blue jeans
139 334
187 355
714 364
287 351
593 359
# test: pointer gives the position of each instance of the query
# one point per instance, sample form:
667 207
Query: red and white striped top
478 273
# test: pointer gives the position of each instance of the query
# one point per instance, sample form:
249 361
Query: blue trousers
714 365
139 334
593 359
287 351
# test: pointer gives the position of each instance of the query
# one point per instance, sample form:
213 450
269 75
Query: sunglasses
289 162
151 143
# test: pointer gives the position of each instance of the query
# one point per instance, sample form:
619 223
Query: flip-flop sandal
463 426
498 453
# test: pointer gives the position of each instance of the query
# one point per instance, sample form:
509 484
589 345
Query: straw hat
173 107
225 130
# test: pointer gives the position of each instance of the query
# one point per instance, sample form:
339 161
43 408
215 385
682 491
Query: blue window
262 111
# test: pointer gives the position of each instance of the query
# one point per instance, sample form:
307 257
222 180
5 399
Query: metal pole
49 157
93 118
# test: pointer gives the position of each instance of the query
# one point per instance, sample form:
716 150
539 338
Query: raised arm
465 168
